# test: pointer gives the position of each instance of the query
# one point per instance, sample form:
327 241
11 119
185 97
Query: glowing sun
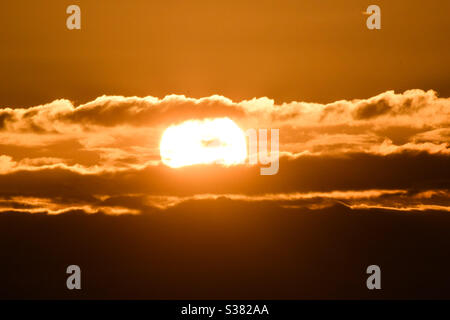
203 142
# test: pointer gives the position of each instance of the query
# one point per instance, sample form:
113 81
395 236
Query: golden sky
110 147
288 50
92 104
364 133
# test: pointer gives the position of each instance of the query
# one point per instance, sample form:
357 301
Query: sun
206 141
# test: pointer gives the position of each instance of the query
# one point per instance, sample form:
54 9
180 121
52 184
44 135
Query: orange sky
288 50
364 135
108 152
92 104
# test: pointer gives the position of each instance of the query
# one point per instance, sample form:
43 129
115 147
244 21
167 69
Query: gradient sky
289 50
86 109
364 120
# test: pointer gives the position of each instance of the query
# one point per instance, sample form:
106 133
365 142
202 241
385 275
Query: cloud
145 251
392 200
406 181
109 149
114 121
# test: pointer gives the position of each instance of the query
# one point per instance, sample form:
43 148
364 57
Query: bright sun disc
203 142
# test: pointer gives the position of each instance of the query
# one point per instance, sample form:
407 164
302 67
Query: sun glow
203 142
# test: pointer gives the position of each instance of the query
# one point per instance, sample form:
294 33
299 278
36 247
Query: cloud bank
103 156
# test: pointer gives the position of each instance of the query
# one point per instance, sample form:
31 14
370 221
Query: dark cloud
5 117
372 110
226 249
154 186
